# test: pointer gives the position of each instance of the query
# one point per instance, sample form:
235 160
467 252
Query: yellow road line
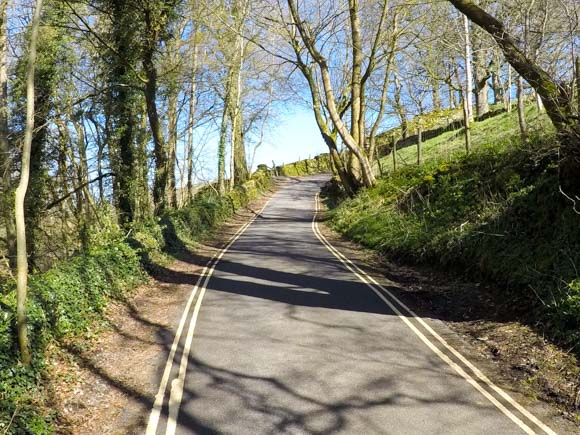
176 392
373 284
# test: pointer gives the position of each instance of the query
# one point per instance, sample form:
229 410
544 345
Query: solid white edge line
206 273
369 281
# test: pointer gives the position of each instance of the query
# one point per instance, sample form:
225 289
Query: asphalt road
288 340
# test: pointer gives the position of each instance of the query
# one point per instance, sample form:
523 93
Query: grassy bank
68 301
496 214
317 165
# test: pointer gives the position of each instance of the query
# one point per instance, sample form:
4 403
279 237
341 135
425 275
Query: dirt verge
107 384
519 357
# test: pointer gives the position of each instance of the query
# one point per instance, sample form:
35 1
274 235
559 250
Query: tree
557 100
22 260
313 42
5 149
121 104
156 16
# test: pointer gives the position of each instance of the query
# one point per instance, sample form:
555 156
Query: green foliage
186 226
317 165
74 294
497 214
21 396
68 300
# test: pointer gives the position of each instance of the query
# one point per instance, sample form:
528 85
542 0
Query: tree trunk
160 150
191 120
467 124
172 120
481 84
348 182
400 109
6 199
379 164
468 70
120 116
142 201
521 111
435 95
222 150
22 261
509 89
239 151
162 158
499 94
239 170
355 83
578 85
452 96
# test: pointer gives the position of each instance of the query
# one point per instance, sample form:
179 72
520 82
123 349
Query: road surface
284 338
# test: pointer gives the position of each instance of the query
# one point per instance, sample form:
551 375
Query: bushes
317 165
186 226
497 214
68 300
63 302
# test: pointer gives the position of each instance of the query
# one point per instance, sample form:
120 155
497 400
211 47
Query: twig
11 421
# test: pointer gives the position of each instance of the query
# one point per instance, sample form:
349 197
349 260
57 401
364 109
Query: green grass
496 214
499 129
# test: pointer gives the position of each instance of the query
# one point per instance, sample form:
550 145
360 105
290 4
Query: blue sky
294 135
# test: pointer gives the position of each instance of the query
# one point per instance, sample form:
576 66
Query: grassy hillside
496 214
500 130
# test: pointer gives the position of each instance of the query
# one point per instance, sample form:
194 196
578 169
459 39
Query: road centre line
375 286
177 383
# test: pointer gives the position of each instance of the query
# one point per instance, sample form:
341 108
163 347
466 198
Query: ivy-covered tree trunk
239 150
155 27
172 114
223 137
120 106
48 64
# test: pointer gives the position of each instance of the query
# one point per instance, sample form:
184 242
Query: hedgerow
68 300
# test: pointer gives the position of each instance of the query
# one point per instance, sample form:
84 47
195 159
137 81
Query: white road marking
177 384
373 284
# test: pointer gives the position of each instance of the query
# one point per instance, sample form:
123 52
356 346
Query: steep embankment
496 214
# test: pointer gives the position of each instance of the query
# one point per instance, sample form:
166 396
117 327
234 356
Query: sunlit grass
501 129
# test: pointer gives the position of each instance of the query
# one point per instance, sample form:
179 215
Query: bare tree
5 151
556 97
22 261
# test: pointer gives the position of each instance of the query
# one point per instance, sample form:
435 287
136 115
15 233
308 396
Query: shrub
495 214
69 299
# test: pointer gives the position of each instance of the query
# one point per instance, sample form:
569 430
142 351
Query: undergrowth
68 301
496 214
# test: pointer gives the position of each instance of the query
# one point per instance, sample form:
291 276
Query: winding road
283 334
